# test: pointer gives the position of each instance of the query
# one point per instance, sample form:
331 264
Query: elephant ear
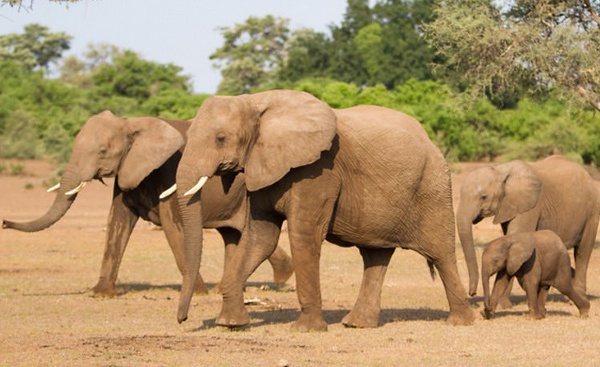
153 141
518 253
293 129
521 190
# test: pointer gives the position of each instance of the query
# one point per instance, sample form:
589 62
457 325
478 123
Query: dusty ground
48 318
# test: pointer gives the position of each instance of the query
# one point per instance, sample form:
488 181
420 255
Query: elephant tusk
54 188
197 187
168 192
77 189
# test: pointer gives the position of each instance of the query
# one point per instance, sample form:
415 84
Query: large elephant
143 153
365 176
554 194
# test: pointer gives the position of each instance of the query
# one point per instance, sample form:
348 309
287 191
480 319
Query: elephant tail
431 269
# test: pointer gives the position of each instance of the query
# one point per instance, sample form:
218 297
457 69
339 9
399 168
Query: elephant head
502 191
264 135
508 253
109 146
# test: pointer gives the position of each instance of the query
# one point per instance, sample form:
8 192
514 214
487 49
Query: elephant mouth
478 219
227 167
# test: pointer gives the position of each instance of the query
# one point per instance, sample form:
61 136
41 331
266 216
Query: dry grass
48 317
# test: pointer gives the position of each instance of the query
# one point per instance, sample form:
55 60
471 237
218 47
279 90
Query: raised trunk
61 204
464 222
191 213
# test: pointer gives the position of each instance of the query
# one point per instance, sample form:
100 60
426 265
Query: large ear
153 141
521 190
518 253
294 128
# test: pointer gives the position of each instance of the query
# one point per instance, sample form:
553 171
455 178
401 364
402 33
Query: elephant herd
364 176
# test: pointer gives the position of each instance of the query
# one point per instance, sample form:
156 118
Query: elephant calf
539 260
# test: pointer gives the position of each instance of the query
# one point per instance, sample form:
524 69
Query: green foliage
251 53
35 48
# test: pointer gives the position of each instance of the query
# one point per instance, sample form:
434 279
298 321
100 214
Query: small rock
283 363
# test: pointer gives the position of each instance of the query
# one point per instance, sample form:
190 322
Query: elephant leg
305 242
504 302
121 221
541 299
368 304
231 238
460 310
258 241
564 285
170 221
583 252
500 285
282 265
532 289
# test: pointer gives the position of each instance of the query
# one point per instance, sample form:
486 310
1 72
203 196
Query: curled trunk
464 222
61 205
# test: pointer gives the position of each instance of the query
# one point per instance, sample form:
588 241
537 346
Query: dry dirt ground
48 317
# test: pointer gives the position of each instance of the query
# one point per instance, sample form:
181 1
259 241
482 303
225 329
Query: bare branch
593 101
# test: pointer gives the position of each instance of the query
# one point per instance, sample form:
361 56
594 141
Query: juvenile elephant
364 176
554 194
539 260
143 153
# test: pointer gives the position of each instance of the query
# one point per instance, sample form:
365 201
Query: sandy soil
48 317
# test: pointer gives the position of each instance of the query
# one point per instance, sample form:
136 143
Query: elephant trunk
61 205
464 222
191 213
485 278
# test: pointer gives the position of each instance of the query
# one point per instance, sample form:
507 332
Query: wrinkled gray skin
143 153
539 260
364 176
554 193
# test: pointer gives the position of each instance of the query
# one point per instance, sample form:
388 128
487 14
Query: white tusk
168 192
54 188
77 189
197 187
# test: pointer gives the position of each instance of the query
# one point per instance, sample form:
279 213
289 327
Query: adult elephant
143 153
365 176
554 194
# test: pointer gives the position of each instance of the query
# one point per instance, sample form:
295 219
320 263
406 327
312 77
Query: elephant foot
282 272
200 288
584 313
308 322
233 317
461 317
504 303
487 314
357 320
104 289
532 315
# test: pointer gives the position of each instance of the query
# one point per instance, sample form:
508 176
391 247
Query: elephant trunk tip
181 318
5 224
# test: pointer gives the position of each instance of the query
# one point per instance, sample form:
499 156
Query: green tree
251 54
36 47
499 47
131 76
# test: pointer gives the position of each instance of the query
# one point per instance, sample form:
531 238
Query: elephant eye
220 139
484 196
103 151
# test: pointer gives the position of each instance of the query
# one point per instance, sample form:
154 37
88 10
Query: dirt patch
48 317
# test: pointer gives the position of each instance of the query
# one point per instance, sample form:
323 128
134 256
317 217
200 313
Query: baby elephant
539 260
